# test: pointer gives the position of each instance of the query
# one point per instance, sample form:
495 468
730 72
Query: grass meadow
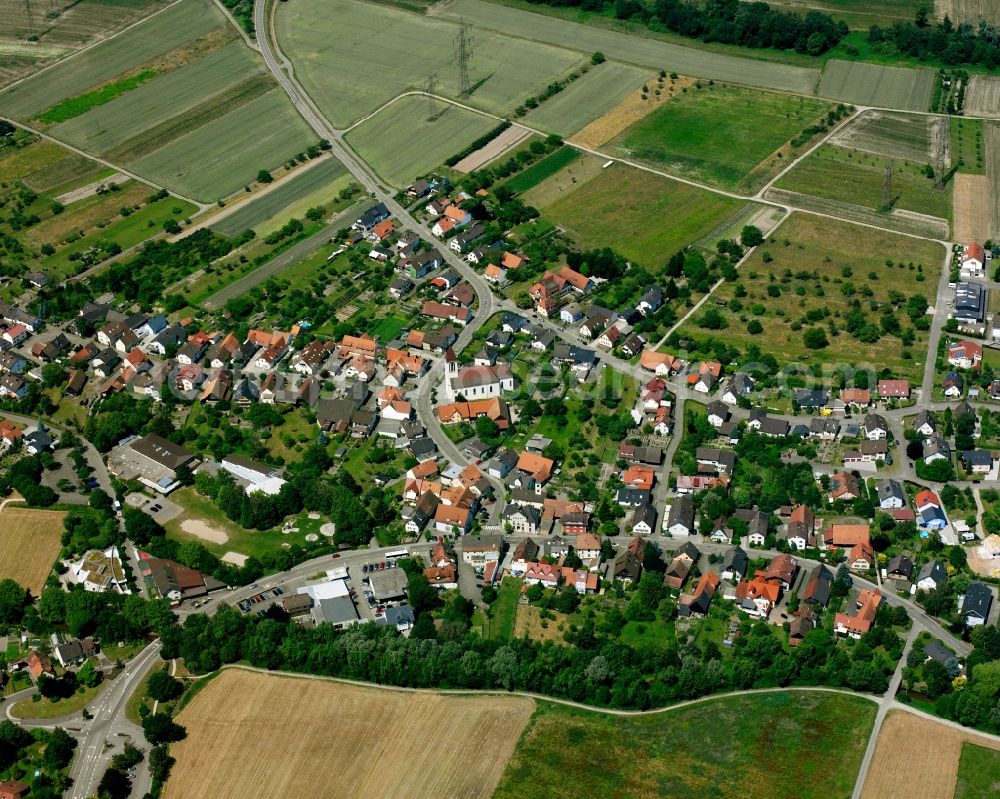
353 57
587 98
801 744
221 156
645 217
543 169
401 143
874 85
978 773
717 134
163 32
967 145
839 173
815 265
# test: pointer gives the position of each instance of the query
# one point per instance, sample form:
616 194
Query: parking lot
161 509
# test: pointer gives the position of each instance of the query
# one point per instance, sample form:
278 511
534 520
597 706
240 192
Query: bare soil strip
503 143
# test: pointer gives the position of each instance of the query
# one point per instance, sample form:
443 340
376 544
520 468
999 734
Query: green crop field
644 217
853 176
814 266
81 104
400 143
104 128
543 169
906 136
717 134
587 98
161 33
315 177
967 145
227 153
389 51
639 50
978 773
783 744
871 84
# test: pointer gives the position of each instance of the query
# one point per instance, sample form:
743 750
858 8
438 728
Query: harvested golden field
919 753
254 734
626 113
968 11
971 207
983 96
29 544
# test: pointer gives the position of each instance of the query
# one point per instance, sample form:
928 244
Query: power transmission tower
887 187
463 54
31 22
430 86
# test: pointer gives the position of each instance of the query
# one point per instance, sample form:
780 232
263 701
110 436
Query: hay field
968 11
906 136
982 98
991 135
638 50
109 125
388 51
920 753
629 111
400 143
173 28
227 153
645 217
807 256
589 97
870 84
792 745
971 207
255 734
853 176
29 544
718 134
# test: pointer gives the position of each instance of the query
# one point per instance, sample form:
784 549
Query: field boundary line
252 44
542 698
88 47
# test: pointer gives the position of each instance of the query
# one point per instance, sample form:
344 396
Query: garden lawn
717 134
504 610
645 217
400 143
801 744
839 173
808 258
48 709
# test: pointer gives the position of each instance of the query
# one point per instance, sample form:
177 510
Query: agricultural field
588 98
565 181
311 179
400 142
874 85
968 11
542 170
110 125
511 139
381 748
812 268
645 217
225 154
29 544
982 97
390 51
897 219
910 137
801 744
839 173
638 50
858 14
60 28
978 772
991 134
924 754
174 27
718 134
970 201
633 107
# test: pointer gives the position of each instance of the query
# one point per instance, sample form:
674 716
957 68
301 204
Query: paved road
285 259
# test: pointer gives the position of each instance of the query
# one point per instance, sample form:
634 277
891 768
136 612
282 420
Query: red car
336 555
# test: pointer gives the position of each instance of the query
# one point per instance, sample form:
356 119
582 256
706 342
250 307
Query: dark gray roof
978 600
934 570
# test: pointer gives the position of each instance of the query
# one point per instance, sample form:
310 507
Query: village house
866 608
